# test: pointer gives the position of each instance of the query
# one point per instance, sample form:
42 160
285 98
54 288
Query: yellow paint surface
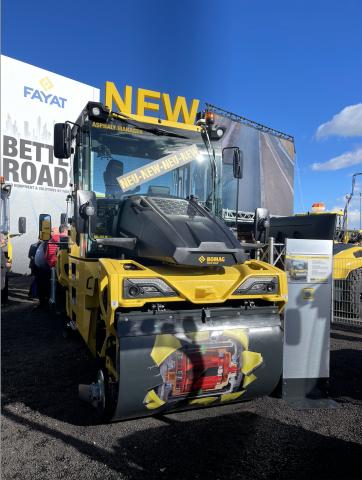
229 397
248 379
251 360
239 335
203 401
153 401
164 346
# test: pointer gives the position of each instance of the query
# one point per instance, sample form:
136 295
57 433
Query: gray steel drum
194 358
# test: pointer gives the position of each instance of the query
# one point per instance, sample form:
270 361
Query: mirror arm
90 234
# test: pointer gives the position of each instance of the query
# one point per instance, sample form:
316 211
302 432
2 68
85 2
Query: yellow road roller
157 286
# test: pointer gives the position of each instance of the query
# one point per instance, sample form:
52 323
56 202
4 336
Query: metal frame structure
274 253
248 122
230 215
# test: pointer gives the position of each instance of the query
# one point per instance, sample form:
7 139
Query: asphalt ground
47 433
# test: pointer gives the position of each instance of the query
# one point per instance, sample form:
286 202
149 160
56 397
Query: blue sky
292 65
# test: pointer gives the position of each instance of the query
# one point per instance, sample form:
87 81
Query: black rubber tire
355 281
105 415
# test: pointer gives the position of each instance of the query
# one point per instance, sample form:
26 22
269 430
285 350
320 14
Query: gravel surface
48 434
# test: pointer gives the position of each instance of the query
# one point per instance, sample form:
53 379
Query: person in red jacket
53 244
57 293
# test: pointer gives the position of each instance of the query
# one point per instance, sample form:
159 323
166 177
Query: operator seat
158 190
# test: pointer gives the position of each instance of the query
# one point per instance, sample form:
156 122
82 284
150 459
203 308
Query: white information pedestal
307 322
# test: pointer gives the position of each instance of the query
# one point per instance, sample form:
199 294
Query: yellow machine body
95 302
206 342
346 261
86 281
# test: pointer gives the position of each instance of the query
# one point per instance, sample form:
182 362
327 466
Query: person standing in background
33 291
56 291
42 274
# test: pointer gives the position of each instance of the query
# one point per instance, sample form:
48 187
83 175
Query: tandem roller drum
179 360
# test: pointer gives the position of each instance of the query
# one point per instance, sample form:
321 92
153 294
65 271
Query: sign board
308 268
32 100
307 315
149 101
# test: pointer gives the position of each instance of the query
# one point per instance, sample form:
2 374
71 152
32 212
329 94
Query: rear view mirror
261 225
22 225
84 209
45 226
234 156
62 140
238 162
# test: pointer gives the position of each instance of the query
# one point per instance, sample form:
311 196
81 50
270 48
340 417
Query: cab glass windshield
125 160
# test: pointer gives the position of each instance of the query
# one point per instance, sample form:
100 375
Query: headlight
96 111
146 287
257 286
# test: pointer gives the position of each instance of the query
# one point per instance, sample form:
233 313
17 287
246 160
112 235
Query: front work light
219 132
97 112
258 286
147 288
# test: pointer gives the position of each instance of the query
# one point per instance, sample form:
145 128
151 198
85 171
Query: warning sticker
157 168
308 268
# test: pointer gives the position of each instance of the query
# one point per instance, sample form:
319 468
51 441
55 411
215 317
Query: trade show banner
268 179
32 101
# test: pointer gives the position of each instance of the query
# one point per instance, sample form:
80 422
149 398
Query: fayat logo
42 95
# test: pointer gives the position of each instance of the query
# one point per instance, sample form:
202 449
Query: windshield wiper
160 132
155 130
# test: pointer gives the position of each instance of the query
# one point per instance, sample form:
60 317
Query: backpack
40 256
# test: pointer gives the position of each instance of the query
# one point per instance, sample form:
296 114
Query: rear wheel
102 395
106 387
109 395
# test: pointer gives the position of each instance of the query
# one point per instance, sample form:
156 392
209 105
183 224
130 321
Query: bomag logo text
209 260
42 95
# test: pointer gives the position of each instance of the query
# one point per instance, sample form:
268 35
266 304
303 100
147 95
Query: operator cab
146 192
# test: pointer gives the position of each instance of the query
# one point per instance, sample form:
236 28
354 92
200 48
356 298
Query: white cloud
347 123
354 206
347 159
353 216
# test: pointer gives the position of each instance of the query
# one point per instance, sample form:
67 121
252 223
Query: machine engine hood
177 231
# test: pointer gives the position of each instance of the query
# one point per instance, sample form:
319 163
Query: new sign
149 101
